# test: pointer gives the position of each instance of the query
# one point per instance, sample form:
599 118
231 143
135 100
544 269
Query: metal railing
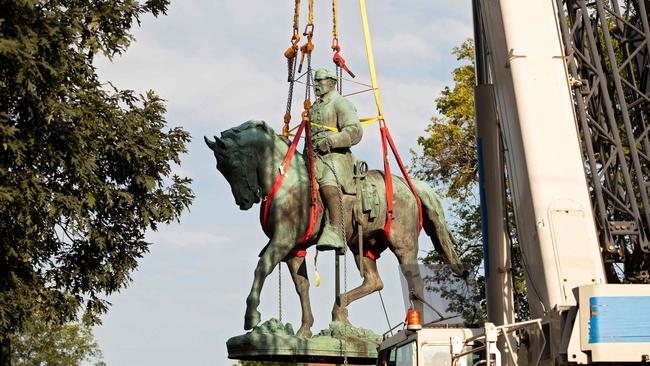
608 60
489 340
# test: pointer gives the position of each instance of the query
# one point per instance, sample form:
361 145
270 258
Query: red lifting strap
371 254
286 163
298 252
388 178
313 214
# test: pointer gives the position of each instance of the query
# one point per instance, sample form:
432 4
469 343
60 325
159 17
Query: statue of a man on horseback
249 155
336 128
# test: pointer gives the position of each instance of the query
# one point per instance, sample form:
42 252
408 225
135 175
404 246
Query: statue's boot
331 238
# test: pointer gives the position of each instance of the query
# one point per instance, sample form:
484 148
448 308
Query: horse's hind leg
371 283
415 285
298 269
273 254
407 257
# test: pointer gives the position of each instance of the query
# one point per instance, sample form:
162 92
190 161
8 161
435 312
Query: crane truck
562 104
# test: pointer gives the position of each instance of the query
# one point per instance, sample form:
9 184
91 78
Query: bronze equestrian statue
249 157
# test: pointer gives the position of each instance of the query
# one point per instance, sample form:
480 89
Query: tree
52 344
85 168
449 162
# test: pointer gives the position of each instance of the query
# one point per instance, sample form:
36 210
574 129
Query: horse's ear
264 126
216 144
211 144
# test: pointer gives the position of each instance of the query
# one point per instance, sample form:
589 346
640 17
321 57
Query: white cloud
403 45
171 235
202 87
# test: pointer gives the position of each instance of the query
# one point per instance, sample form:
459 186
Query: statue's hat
325 74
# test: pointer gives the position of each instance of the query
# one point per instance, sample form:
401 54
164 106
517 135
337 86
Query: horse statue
249 156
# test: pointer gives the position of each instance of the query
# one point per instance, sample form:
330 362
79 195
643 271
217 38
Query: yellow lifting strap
371 59
310 17
362 122
335 31
370 120
296 14
333 129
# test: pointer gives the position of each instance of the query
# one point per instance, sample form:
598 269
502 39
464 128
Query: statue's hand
324 146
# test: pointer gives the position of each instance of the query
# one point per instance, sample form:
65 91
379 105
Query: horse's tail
434 224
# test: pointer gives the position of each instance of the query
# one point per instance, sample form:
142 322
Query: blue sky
218 64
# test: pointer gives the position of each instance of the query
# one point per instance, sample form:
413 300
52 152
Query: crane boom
563 95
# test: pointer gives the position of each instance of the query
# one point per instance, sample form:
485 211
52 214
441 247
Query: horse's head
238 155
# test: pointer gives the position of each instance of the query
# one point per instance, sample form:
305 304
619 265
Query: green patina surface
273 340
249 156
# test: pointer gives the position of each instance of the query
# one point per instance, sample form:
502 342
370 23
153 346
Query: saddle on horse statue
359 198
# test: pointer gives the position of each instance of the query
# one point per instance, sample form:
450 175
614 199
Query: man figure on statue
336 128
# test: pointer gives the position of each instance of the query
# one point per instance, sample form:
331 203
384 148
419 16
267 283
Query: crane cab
429 346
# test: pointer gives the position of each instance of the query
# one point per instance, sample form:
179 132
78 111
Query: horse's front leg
273 254
298 269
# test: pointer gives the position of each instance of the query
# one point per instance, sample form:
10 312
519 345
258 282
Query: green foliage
449 146
85 168
52 344
449 152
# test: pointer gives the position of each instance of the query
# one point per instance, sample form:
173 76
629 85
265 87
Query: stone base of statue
273 341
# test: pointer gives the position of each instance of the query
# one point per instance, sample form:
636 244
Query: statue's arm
350 131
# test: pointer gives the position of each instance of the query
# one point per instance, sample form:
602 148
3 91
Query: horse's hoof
252 319
304 331
340 315
344 320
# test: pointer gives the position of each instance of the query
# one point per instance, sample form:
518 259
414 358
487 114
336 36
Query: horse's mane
234 132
